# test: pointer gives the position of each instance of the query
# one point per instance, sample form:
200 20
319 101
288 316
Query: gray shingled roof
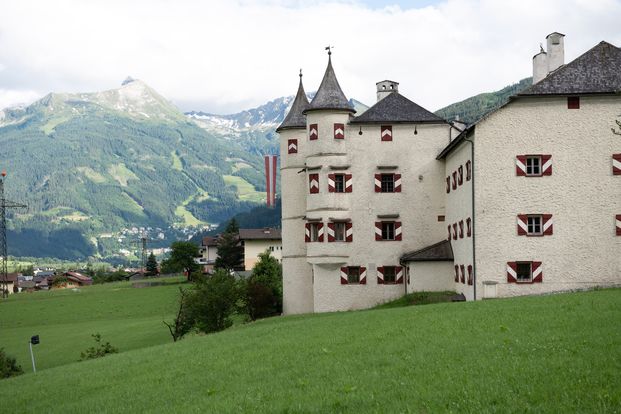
329 95
396 108
596 71
436 252
260 234
296 118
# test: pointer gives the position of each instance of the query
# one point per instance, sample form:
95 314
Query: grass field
245 190
129 318
559 353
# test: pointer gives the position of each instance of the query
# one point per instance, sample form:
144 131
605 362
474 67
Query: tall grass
559 353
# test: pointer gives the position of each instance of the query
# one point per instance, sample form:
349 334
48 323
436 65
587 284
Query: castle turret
297 273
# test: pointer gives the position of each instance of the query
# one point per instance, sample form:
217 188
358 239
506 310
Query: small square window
388 183
339 183
573 102
533 165
353 274
314 232
524 271
339 231
388 231
534 225
390 274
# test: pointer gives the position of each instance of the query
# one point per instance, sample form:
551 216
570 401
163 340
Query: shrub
9 366
212 302
98 351
263 290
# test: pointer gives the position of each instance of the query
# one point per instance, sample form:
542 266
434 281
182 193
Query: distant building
10 282
254 242
73 280
208 253
257 241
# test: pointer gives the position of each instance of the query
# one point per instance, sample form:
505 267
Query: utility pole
142 244
4 205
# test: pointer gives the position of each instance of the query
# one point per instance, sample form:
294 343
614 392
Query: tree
183 322
212 302
181 258
263 290
230 253
151 265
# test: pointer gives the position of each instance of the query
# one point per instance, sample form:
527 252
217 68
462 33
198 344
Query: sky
226 56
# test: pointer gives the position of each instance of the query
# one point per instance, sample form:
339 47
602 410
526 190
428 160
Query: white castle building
525 201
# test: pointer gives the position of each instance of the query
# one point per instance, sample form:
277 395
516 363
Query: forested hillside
472 109
91 164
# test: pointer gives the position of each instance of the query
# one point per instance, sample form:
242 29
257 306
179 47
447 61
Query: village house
396 199
254 242
257 241
70 280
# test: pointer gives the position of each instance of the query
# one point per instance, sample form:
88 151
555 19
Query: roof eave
284 128
455 143
356 121
351 110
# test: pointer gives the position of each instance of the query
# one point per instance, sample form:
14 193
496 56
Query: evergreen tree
230 253
151 265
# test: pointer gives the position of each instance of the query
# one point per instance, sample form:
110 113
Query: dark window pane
524 271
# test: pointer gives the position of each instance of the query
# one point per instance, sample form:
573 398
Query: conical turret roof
329 95
296 118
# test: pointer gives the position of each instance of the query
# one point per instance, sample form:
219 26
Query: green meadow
127 317
556 353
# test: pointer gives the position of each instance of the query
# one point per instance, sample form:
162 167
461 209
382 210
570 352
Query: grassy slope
554 353
127 317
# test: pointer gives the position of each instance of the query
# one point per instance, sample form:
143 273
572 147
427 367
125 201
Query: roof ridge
401 110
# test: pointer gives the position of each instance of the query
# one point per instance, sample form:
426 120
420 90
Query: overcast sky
226 56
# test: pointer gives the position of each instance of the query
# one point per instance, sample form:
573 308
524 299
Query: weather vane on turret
329 49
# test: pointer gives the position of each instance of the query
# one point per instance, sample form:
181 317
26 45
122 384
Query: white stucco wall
252 249
459 207
431 276
418 204
582 194
297 273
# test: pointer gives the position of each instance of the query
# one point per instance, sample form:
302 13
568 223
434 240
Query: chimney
540 66
385 88
556 51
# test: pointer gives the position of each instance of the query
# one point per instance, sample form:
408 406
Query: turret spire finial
300 73
329 49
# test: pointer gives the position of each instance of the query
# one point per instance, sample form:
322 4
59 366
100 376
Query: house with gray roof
525 201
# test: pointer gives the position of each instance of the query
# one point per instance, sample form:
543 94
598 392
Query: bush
8 366
98 351
212 302
263 290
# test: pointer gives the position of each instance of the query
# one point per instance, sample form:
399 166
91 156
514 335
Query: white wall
431 276
582 194
418 205
459 207
252 249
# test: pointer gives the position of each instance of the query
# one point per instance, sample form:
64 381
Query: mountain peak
127 80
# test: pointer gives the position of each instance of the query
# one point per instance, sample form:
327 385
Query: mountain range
90 166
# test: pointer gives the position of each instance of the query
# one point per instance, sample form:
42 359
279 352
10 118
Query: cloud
225 56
